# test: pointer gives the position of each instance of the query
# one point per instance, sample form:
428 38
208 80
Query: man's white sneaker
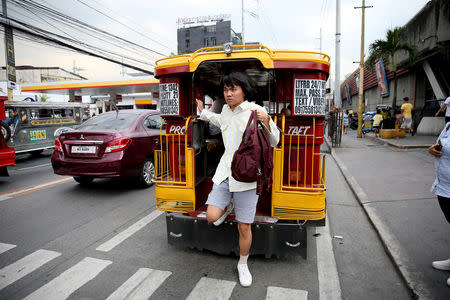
228 210
245 278
448 281
443 265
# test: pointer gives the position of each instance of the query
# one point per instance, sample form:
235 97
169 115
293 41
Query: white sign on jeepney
169 98
309 97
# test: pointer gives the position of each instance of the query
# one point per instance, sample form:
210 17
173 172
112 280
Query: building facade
193 38
427 79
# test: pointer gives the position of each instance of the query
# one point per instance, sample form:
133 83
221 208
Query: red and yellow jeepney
188 155
7 154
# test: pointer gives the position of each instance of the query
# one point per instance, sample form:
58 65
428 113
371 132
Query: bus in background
189 155
7 154
33 126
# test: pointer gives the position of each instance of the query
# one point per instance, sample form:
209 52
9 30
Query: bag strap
247 131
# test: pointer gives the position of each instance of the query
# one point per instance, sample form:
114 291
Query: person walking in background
377 119
447 110
407 114
441 151
345 120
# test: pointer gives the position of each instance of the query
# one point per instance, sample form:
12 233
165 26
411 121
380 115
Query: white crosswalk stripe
119 238
71 280
274 293
141 285
24 266
210 288
5 247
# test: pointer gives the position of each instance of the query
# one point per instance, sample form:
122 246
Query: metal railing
335 128
300 148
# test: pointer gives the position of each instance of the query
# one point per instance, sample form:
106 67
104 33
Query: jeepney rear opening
190 152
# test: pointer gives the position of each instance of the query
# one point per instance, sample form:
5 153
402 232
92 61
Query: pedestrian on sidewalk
445 106
441 150
237 89
407 114
345 121
377 119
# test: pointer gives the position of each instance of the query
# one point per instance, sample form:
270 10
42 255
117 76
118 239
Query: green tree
387 49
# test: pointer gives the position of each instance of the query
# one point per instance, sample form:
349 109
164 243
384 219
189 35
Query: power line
115 20
61 43
68 20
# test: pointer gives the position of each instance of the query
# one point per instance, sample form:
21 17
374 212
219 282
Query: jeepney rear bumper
269 239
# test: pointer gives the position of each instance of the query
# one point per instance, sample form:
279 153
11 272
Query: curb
400 146
390 243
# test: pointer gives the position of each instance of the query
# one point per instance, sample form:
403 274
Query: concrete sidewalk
392 184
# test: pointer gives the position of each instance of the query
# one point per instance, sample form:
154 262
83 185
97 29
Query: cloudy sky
285 24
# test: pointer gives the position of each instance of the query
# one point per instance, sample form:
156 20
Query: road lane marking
329 286
5 247
33 167
141 285
26 190
24 266
70 280
210 288
274 293
119 238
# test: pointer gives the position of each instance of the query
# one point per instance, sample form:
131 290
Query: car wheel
83 180
6 131
147 174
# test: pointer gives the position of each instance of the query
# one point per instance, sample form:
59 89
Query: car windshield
109 122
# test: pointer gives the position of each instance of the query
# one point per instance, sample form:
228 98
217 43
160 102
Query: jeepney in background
7 154
33 126
188 156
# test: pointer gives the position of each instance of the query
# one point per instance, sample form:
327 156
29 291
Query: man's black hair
241 79
406 99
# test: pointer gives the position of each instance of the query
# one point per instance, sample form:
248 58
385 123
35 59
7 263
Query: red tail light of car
58 146
117 145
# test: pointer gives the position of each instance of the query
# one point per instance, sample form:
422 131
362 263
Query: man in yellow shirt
407 115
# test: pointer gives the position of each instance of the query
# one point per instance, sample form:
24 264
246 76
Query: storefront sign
169 99
309 97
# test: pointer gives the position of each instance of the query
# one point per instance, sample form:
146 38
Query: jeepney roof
270 59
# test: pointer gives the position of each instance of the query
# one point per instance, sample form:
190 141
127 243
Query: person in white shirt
447 111
232 121
441 152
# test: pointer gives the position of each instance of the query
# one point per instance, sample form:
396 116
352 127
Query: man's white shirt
232 124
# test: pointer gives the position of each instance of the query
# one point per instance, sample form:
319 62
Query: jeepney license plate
84 149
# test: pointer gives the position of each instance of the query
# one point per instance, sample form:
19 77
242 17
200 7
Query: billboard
381 78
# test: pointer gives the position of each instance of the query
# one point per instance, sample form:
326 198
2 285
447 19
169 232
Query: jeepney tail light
58 146
117 145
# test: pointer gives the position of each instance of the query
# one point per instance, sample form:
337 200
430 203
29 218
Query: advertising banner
381 78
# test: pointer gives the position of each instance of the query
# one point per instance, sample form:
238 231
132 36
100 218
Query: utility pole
361 72
242 19
337 76
9 54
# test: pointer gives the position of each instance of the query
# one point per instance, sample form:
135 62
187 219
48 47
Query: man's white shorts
407 123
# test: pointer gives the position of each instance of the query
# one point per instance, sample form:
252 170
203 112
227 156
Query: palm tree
387 49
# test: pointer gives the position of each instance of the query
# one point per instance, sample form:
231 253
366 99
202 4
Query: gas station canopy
89 88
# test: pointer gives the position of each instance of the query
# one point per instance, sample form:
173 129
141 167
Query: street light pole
9 54
361 72
337 72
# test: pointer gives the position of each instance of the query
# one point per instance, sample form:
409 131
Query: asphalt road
60 240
